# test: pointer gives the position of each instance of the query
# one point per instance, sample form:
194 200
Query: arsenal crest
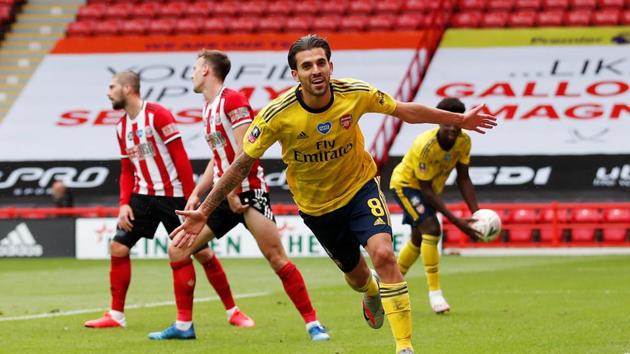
346 121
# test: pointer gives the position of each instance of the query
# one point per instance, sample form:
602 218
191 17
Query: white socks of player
118 317
183 325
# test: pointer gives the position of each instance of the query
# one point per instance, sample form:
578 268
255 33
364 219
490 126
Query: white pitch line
132 306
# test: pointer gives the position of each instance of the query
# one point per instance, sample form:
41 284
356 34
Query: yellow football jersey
324 148
427 161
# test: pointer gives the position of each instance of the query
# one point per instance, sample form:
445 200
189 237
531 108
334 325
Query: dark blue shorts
415 208
342 231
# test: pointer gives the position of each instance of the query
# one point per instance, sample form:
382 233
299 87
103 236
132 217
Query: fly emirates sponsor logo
326 151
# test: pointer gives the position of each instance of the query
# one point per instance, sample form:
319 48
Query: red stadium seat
162 26
353 23
188 25
520 234
500 5
280 8
555 4
526 18
583 234
546 218
527 5
360 8
271 24
494 19
80 29
606 17
380 23
333 7
328 23
392 7
580 17
614 234
299 24
242 25
118 11
172 10
135 27
409 22
586 215
308 7
252 8
618 4
91 12
468 19
225 9
214 25
145 10
550 18
584 4
106 28
472 5
200 9
524 216
412 6
617 215
581 231
624 17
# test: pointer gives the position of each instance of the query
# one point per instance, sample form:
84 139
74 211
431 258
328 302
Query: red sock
296 289
119 279
218 280
184 284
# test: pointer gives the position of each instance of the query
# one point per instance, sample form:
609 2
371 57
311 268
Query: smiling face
116 94
448 134
313 71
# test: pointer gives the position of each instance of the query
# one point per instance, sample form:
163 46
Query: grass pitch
499 305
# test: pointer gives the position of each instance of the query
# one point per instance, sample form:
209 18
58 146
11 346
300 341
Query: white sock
231 311
312 324
435 293
183 325
117 315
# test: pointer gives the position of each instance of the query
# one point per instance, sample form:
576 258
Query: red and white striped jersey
229 110
143 141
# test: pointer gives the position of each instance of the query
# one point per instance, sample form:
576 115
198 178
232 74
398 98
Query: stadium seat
583 4
525 18
555 4
214 25
580 17
242 25
380 22
546 217
614 234
299 24
416 6
280 8
188 25
162 26
624 17
617 215
327 23
172 10
333 7
252 8
617 4
468 19
409 21
106 28
614 230
225 9
586 215
91 12
199 9
360 8
271 24
80 29
308 7
606 17
520 234
353 23
527 5
471 5
494 19
550 18
391 7
118 11
524 216
583 234
500 5
135 27
145 10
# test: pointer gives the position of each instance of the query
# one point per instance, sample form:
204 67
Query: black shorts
342 231
149 211
415 207
223 219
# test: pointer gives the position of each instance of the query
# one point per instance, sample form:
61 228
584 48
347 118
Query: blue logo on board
324 128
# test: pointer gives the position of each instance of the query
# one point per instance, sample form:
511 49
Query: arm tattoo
232 177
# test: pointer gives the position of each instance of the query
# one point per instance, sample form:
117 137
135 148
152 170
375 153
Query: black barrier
37 238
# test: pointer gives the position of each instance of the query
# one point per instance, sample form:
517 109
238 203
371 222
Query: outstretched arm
473 119
185 234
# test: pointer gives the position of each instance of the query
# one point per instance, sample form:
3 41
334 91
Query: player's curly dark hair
308 42
452 104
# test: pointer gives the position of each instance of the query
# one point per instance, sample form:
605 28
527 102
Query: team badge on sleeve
169 129
346 121
238 114
253 136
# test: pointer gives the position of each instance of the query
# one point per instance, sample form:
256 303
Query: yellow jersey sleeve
379 101
259 137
